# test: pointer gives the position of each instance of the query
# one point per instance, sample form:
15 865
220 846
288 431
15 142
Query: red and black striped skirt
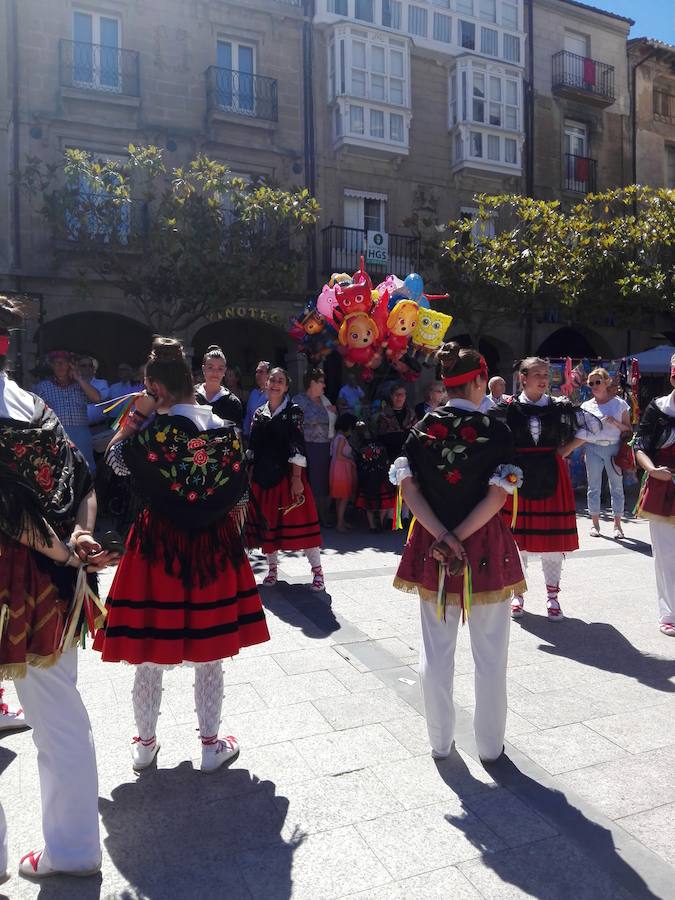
269 525
548 525
154 617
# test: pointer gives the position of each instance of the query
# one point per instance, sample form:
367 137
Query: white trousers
663 549
489 629
66 764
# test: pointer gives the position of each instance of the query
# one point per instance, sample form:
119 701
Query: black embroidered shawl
43 477
227 407
274 440
654 430
453 453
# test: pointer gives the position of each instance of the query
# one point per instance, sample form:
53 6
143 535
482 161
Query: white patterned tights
147 697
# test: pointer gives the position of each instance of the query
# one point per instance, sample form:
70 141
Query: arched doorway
108 337
574 343
244 342
498 355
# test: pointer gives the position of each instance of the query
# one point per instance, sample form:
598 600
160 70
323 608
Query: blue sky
653 18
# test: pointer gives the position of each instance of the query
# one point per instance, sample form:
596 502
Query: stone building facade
653 76
376 106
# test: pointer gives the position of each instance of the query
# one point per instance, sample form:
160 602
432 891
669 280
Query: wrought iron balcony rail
342 249
97 219
583 74
241 93
97 68
580 173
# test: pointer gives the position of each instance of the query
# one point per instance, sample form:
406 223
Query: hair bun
448 356
167 349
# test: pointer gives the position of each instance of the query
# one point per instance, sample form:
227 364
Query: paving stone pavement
335 794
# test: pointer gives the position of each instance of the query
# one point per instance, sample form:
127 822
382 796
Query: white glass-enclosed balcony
490 28
485 116
369 89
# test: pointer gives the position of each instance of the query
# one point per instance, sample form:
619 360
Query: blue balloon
423 302
414 286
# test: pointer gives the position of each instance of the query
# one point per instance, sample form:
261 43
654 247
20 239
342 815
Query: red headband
458 380
4 344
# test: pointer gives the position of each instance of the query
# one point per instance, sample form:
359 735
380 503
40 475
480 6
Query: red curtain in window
589 72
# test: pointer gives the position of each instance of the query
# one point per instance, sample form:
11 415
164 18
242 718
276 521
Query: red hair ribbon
458 380
4 344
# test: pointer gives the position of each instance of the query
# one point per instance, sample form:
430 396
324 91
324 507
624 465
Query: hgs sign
377 247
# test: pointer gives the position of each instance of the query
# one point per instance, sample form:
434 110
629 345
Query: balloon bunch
392 322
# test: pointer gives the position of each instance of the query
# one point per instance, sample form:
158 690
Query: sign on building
377 247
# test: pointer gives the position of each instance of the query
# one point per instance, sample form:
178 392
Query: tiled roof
603 12
651 42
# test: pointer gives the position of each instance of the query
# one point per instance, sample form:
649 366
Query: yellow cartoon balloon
430 330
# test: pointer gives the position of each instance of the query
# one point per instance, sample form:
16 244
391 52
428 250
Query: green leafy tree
611 253
181 244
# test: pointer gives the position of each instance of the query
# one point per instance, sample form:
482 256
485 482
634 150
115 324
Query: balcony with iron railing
583 78
580 174
241 94
342 249
93 67
98 220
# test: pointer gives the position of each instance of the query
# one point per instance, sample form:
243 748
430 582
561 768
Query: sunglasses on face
595 383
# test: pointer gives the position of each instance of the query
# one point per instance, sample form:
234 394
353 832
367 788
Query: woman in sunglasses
614 413
282 512
655 451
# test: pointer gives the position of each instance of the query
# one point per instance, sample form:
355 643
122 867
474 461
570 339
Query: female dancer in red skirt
184 591
545 432
655 445
455 477
282 514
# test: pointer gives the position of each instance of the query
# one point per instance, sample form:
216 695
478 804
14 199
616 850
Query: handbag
625 458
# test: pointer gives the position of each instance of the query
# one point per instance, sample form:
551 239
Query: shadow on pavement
296 605
581 862
601 646
178 833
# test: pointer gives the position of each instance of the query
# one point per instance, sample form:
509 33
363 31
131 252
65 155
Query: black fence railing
241 93
96 218
583 74
580 173
344 247
98 68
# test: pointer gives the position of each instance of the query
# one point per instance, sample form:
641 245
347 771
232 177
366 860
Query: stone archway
110 338
245 341
576 342
498 354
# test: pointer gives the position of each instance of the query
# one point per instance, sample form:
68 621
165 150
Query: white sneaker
216 754
33 865
143 753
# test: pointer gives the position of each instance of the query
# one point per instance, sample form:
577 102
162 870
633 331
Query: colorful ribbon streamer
397 521
84 599
514 515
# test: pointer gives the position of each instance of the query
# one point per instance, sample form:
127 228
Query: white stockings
147 697
551 564
313 555
209 698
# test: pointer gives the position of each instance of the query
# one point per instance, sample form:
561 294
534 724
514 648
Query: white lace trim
507 477
400 470
298 460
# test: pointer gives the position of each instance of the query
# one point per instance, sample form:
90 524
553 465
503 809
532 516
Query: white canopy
656 360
